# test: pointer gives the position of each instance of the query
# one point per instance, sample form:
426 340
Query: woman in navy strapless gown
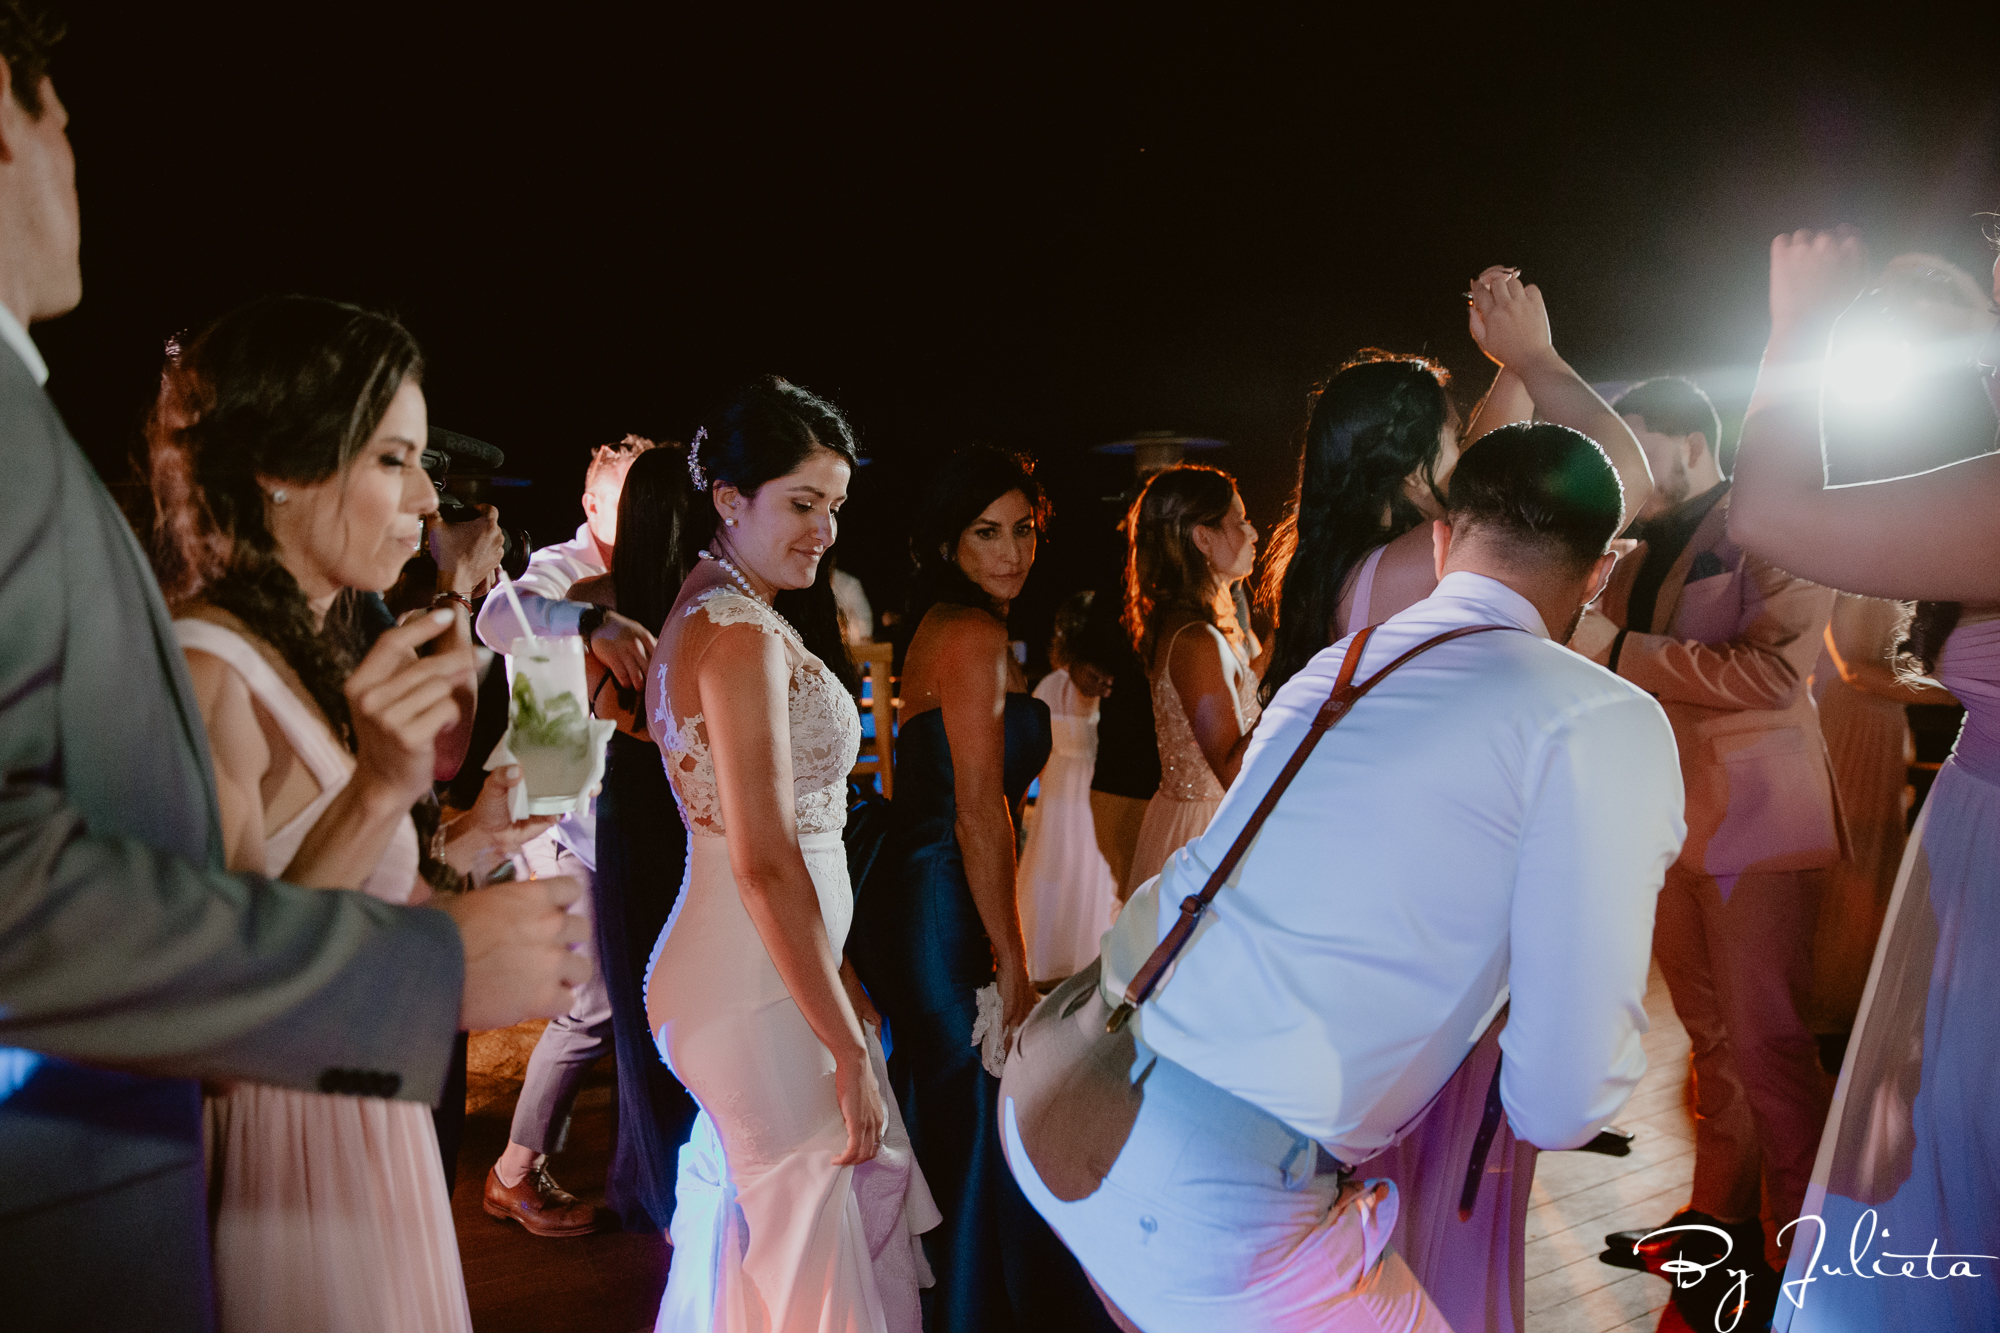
937 923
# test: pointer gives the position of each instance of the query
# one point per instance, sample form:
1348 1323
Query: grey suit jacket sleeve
121 942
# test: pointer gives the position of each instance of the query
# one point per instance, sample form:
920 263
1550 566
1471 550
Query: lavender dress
1910 1161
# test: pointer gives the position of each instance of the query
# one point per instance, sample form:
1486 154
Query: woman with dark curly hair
1381 441
937 932
1188 543
284 453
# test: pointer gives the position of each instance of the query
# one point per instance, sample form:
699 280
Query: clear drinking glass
550 735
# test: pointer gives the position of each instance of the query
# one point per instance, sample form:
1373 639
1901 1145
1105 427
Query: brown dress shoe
539 1204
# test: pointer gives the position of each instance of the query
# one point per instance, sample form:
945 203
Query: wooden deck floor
516 1283
1580 1196
611 1282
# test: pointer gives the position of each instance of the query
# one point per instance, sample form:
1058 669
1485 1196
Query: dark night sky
1045 232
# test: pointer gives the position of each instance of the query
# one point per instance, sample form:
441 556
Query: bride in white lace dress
798 1201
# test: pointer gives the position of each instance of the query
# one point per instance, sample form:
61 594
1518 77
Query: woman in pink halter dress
284 457
1902 1221
1381 443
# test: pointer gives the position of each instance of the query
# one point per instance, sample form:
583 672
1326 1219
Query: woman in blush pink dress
1189 544
1381 442
284 453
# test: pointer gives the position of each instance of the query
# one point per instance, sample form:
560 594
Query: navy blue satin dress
920 949
641 850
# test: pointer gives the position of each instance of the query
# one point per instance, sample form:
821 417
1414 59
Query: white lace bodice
825 728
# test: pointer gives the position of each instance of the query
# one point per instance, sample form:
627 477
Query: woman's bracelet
459 597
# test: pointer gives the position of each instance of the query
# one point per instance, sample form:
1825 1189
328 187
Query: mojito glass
551 735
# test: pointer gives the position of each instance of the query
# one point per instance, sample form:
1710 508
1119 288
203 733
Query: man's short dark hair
27 37
1671 405
1544 490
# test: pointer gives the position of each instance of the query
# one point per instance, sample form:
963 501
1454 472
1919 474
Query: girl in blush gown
1064 886
937 933
284 458
1189 542
1381 442
1909 1164
798 1201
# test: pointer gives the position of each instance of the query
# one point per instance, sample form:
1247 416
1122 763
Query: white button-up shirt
543 589
1496 817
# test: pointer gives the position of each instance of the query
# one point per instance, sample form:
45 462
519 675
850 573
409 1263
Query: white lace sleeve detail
825 730
726 606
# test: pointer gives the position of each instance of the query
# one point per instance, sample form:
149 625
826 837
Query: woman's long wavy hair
287 388
1374 423
970 480
761 432
1165 572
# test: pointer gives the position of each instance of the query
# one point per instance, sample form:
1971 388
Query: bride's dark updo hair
289 388
1374 422
761 432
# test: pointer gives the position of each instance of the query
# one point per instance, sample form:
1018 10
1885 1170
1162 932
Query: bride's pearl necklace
735 574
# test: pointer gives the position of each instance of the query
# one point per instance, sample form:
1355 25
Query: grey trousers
571 1044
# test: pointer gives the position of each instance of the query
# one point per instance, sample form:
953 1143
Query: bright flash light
1872 369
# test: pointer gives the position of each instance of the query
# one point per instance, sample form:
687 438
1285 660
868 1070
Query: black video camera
440 450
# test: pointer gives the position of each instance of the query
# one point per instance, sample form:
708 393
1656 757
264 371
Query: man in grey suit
130 964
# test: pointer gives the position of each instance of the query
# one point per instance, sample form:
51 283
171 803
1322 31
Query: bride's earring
278 497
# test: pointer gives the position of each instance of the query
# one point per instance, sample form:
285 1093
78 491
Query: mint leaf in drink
560 724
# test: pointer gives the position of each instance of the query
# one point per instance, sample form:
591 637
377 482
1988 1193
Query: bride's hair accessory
695 473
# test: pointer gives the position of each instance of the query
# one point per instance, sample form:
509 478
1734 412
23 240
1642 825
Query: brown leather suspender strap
1344 696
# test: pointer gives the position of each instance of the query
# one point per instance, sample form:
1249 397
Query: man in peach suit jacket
1726 641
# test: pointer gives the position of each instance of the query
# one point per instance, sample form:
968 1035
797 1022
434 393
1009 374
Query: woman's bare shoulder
1200 657
958 638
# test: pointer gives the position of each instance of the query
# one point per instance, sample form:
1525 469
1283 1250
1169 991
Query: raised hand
1509 321
468 554
1815 275
399 702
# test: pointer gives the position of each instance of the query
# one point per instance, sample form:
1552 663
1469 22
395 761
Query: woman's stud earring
730 522
278 497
